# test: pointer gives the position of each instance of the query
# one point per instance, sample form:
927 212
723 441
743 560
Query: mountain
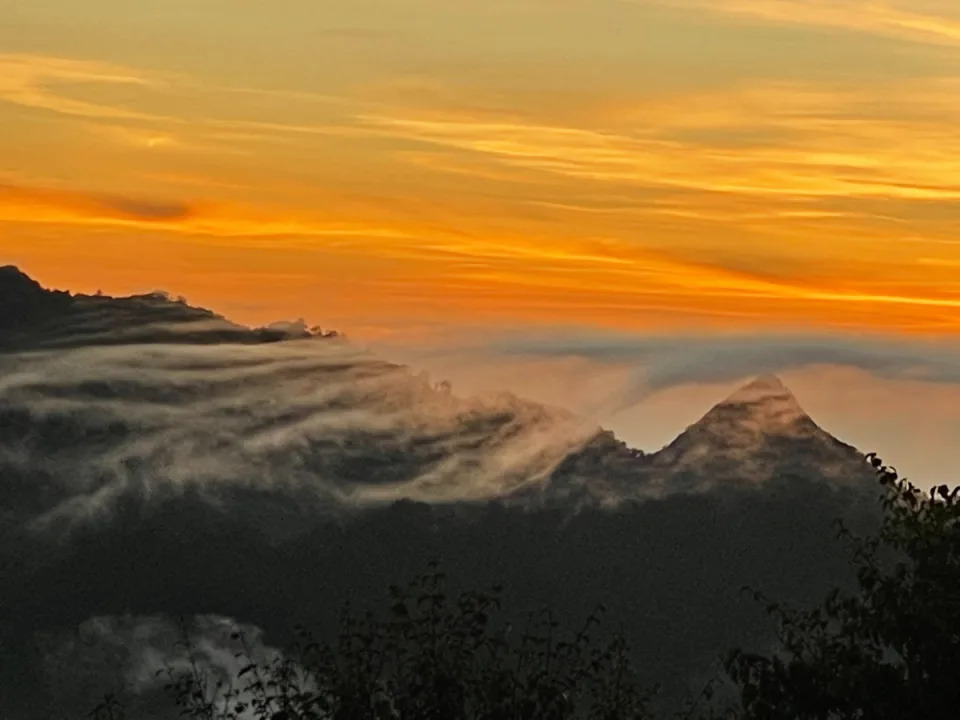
35 317
24 302
757 435
106 399
337 422
159 461
345 427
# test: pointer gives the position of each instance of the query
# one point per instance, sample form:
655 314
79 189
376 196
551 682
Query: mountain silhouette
758 433
514 449
157 461
754 436
35 317
24 303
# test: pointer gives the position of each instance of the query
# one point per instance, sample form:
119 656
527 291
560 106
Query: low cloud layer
90 426
893 395
667 361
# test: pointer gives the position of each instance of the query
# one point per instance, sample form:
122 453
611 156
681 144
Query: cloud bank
333 425
667 361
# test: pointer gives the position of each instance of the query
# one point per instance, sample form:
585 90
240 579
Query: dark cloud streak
667 361
93 203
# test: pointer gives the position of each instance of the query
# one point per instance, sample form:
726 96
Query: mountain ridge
174 474
532 452
37 318
754 436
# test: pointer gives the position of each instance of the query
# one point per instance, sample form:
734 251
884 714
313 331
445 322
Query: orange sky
380 166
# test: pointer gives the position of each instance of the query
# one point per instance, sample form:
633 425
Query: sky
418 168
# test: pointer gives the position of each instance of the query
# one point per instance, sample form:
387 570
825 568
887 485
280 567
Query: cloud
336 427
614 281
145 210
922 21
112 399
90 205
32 204
53 84
665 361
805 140
637 207
32 81
130 656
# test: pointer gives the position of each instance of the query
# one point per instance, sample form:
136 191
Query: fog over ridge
157 461
312 415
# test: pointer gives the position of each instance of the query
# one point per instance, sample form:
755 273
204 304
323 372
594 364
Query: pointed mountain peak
767 382
758 433
764 386
765 401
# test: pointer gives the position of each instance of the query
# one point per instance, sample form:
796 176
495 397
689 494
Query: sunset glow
377 166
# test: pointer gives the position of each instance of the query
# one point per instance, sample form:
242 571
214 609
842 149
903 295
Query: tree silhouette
889 649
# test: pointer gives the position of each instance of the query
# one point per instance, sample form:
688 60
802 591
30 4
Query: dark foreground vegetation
888 649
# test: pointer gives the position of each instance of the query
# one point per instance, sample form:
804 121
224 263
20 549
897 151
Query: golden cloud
24 204
32 81
925 21
840 142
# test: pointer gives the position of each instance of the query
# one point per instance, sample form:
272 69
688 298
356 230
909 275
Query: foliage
889 649
431 657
